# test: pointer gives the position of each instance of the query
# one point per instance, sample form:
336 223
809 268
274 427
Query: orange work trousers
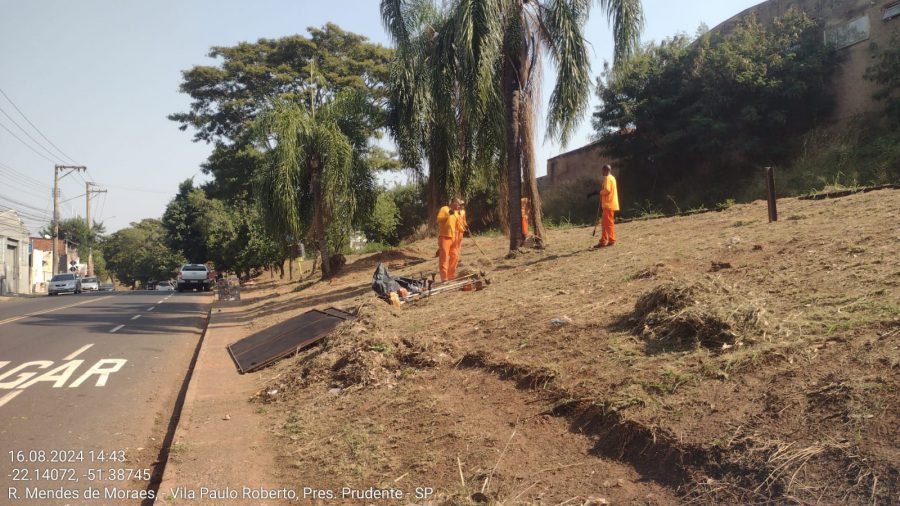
524 225
608 227
448 257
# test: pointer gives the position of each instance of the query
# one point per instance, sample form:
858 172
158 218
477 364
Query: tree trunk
529 176
512 96
315 184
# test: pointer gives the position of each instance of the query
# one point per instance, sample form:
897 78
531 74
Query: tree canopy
695 118
140 253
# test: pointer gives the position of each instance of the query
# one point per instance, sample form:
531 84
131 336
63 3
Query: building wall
578 164
853 93
14 254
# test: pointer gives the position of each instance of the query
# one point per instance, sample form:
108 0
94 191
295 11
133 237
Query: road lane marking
135 317
10 396
151 308
160 302
115 329
78 352
17 318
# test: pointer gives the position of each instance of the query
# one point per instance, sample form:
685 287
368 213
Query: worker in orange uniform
526 210
448 256
609 202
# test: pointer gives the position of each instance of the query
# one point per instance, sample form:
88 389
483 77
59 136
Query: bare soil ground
708 359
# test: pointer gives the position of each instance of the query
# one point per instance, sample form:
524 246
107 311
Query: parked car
194 276
107 287
90 284
165 286
62 283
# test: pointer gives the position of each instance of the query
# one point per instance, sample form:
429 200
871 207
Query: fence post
770 190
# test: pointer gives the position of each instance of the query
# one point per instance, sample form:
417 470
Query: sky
91 82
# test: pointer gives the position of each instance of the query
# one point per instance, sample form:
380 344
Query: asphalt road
88 384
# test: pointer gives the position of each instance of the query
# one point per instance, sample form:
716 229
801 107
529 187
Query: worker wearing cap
447 221
461 227
609 202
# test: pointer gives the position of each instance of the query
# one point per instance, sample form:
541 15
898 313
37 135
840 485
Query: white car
90 284
62 283
165 286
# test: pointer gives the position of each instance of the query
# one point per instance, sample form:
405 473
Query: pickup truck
193 276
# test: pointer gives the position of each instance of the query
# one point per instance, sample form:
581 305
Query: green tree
185 221
494 47
75 230
694 119
886 73
140 253
228 96
325 145
381 225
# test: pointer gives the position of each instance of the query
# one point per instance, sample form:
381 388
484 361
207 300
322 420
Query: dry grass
772 380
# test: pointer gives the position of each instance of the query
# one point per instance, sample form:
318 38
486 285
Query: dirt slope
710 359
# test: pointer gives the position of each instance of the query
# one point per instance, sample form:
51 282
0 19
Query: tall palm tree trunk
315 187
529 176
512 96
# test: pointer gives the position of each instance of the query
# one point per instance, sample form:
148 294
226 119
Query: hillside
710 359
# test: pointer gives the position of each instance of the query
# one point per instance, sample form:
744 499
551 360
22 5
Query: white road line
116 328
135 317
160 302
151 308
10 396
78 352
17 318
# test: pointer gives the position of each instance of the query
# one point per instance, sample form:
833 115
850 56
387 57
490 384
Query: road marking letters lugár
27 374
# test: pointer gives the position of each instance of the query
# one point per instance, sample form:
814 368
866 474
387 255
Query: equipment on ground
276 342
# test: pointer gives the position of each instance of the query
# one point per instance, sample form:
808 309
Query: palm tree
429 115
498 44
315 151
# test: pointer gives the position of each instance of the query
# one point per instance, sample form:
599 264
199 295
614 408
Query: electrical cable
28 145
51 153
36 129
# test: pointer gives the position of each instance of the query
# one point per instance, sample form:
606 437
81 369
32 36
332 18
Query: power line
142 190
35 181
27 145
36 129
28 134
30 208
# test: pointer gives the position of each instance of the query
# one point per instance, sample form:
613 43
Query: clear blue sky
99 77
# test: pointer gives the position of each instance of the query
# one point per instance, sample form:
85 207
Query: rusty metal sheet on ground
268 345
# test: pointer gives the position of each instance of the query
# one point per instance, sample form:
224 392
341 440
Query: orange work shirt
609 193
447 223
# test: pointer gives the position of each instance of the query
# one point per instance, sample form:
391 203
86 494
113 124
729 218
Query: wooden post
770 190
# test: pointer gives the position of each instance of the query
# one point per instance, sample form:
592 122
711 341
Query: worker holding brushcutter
609 204
448 226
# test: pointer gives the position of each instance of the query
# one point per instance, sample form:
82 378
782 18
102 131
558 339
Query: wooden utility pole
87 212
770 191
56 177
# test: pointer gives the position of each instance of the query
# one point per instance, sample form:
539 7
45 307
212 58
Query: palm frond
564 22
627 20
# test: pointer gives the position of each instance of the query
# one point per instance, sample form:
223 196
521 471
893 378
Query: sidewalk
222 443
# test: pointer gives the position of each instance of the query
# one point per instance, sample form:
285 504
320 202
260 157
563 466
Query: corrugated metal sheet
267 346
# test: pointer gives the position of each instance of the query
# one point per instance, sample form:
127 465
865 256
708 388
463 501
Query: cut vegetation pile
633 375
683 315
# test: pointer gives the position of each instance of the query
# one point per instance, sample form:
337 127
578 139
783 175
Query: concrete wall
581 163
14 253
853 94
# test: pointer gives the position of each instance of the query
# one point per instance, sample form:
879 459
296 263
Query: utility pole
87 203
56 177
